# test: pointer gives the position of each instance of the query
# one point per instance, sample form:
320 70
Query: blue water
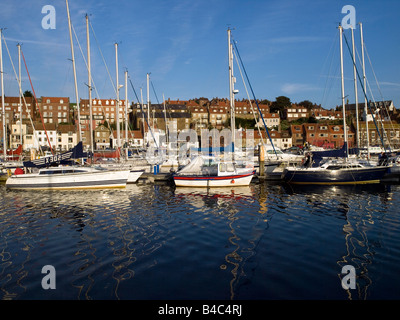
155 242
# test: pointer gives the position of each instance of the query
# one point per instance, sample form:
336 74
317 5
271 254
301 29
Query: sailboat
10 159
134 174
212 171
53 174
209 171
341 170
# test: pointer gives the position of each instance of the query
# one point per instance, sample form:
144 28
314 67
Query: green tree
285 125
280 104
28 93
306 104
312 120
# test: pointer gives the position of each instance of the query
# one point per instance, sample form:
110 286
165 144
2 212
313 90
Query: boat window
50 172
59 171
333 167
210 163
273 152
222 167
229 167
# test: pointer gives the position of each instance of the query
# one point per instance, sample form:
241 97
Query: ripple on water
156 242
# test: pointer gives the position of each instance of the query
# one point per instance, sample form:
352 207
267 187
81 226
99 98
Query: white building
66 137
15 136
42 137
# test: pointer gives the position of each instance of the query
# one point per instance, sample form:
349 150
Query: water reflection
257 242
198 197
360 210
91 236
244 227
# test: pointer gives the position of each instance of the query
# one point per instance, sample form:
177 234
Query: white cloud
295 39
389 84
292 88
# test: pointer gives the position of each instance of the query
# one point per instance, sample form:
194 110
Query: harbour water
156 242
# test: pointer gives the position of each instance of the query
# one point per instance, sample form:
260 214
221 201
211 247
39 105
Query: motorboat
209 171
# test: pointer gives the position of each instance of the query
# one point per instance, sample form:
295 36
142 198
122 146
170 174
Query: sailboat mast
20 94
148 99
2 98
355 87
74 69
117 106
165 120
343 96
231 90
89 84
126 113
365 93
144 121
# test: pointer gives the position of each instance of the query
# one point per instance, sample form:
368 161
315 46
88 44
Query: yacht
68 177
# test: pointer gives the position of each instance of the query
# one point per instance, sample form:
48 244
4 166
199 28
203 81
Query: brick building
54 109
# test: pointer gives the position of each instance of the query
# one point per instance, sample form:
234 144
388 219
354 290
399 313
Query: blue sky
288 47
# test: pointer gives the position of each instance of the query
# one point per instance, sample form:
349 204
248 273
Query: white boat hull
214 181
134 175
78 180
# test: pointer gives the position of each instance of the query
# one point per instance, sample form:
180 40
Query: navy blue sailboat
339 170
336 171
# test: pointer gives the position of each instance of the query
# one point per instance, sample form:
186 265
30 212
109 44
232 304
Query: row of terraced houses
54 121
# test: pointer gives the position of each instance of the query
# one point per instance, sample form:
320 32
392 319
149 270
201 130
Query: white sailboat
134 173
50 176
65 177
68 177
212 171
208 171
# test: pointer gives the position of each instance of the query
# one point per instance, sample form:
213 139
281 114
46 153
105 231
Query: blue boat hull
340 176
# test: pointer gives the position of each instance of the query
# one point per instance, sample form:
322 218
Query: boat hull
83 180
134 175
342 176
213 181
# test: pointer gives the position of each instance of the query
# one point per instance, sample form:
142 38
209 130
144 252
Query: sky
288 47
